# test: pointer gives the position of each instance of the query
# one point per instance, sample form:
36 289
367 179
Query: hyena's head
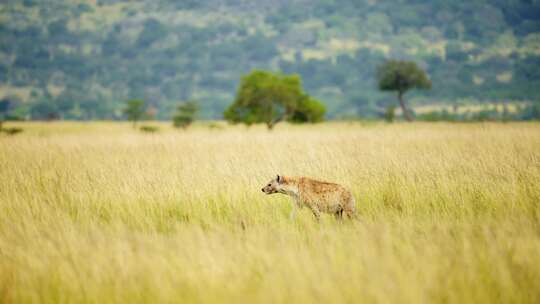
274 186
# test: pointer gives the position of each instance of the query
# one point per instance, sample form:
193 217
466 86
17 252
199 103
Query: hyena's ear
279 179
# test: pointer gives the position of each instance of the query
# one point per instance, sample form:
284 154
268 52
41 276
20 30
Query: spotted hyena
316 195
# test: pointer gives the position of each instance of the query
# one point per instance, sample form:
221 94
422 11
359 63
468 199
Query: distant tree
134 111
402 76
270 98
185 114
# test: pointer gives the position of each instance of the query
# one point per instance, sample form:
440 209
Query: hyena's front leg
297 204
292 215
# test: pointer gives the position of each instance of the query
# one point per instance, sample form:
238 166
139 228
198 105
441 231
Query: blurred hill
83 59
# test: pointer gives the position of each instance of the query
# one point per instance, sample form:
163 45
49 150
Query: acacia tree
402 76
270 98
134 110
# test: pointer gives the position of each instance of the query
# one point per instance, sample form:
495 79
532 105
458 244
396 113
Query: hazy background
84 59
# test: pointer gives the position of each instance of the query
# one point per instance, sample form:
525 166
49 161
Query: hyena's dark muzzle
268 189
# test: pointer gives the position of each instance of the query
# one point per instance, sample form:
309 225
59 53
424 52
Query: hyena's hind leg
349 209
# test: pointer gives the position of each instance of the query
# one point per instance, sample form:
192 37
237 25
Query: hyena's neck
290 187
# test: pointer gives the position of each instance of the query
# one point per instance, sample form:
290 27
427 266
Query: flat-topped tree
402 76
265 97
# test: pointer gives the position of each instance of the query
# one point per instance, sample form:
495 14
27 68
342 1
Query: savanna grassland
101 213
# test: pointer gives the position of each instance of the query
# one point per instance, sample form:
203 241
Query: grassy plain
100 213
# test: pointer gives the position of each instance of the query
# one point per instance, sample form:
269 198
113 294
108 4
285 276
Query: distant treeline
75 60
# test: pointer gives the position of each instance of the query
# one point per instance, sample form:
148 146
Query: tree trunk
406 113
272 123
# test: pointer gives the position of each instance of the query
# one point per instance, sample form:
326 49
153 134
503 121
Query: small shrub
149 129
11 131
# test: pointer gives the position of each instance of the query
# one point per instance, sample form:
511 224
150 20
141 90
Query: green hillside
83 59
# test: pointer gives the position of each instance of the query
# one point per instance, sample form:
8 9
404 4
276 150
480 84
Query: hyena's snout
268 189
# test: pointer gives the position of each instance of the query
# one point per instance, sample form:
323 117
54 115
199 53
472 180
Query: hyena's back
327 197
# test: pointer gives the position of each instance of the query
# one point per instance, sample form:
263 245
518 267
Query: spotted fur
318 196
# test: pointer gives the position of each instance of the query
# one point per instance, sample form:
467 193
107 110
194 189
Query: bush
11 131
149 129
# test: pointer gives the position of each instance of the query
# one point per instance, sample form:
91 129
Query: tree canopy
402 76
266 97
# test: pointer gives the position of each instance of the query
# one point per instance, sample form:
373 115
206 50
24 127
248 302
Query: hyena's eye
269 185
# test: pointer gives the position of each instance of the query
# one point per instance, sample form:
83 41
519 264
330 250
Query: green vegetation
185 114
265 97
81 59
149 129
390 113
529 112
308 110
9 131
134 111
402 76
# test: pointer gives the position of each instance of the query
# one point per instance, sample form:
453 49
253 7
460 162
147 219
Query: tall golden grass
101 213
